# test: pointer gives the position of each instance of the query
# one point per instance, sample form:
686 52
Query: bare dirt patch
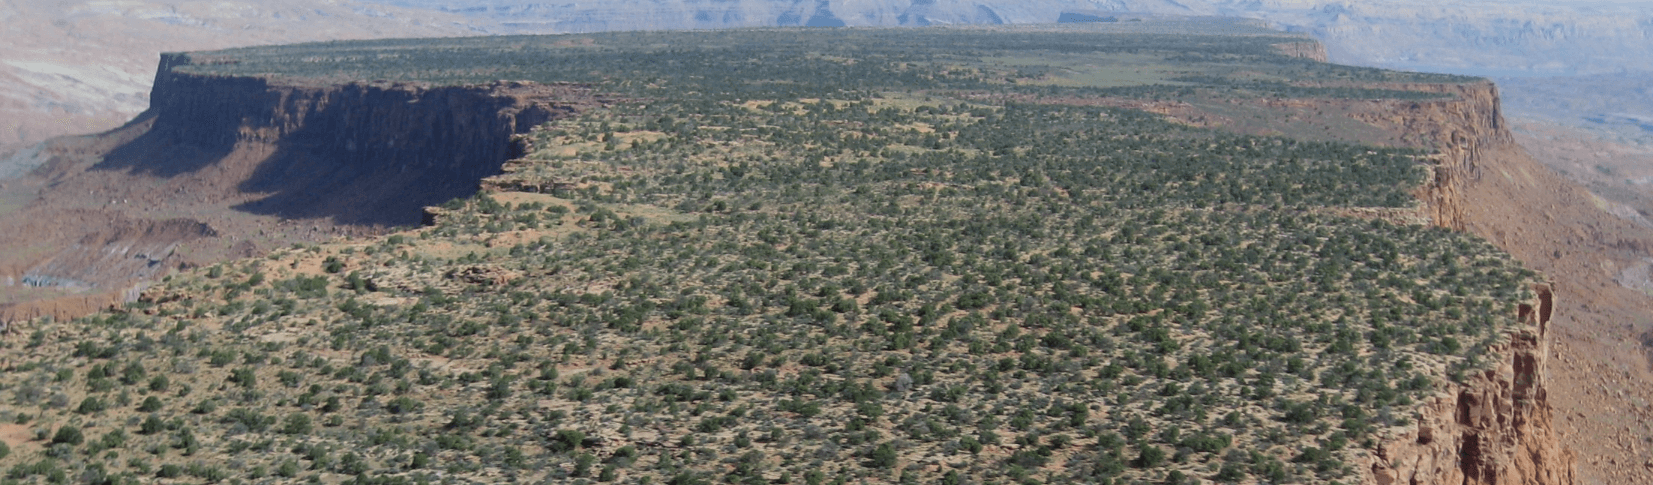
17 436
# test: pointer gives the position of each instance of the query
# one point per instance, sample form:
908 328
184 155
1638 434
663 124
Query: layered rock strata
1494 428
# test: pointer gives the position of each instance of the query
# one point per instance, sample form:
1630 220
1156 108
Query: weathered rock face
1465 130
314 148
243 164
1485 184
1310 50
1496 428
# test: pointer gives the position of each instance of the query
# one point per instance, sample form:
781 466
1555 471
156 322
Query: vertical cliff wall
1467 131
1307 49
358 152
1497 427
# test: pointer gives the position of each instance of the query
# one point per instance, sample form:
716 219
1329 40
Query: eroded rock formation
1467 131
1485 184
1495 428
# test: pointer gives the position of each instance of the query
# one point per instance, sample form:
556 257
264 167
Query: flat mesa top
1042 254
1183 52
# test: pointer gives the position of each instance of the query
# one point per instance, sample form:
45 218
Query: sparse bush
882 456
566 440
69 434
296 424
90 405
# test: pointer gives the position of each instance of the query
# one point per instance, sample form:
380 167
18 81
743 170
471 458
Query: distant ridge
1076 17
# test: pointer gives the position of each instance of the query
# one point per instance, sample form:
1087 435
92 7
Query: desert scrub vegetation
793 273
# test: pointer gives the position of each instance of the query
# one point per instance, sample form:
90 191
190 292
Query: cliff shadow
379 155
299 175
198 122
163 153
357 154
310 181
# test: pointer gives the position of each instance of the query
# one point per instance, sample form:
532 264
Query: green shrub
1149 456
245 377
92 404
297 424
150 404
882 456
69 434
566 440
288 468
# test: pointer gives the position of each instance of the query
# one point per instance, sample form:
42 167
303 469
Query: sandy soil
17 436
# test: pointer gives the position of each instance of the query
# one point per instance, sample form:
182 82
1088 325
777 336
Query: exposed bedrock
1495 428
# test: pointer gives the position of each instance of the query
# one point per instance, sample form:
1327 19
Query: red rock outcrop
1467 132
1495 428
1485 184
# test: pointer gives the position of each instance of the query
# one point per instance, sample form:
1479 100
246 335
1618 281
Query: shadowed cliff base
401 149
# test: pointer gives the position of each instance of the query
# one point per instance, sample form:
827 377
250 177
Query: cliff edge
1500 426
1495 428
308 149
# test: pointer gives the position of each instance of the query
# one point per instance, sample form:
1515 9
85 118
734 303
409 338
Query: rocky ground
1597 236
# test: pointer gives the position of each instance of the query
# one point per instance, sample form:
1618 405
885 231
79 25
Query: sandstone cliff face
1467 131
1496 428
1310 50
